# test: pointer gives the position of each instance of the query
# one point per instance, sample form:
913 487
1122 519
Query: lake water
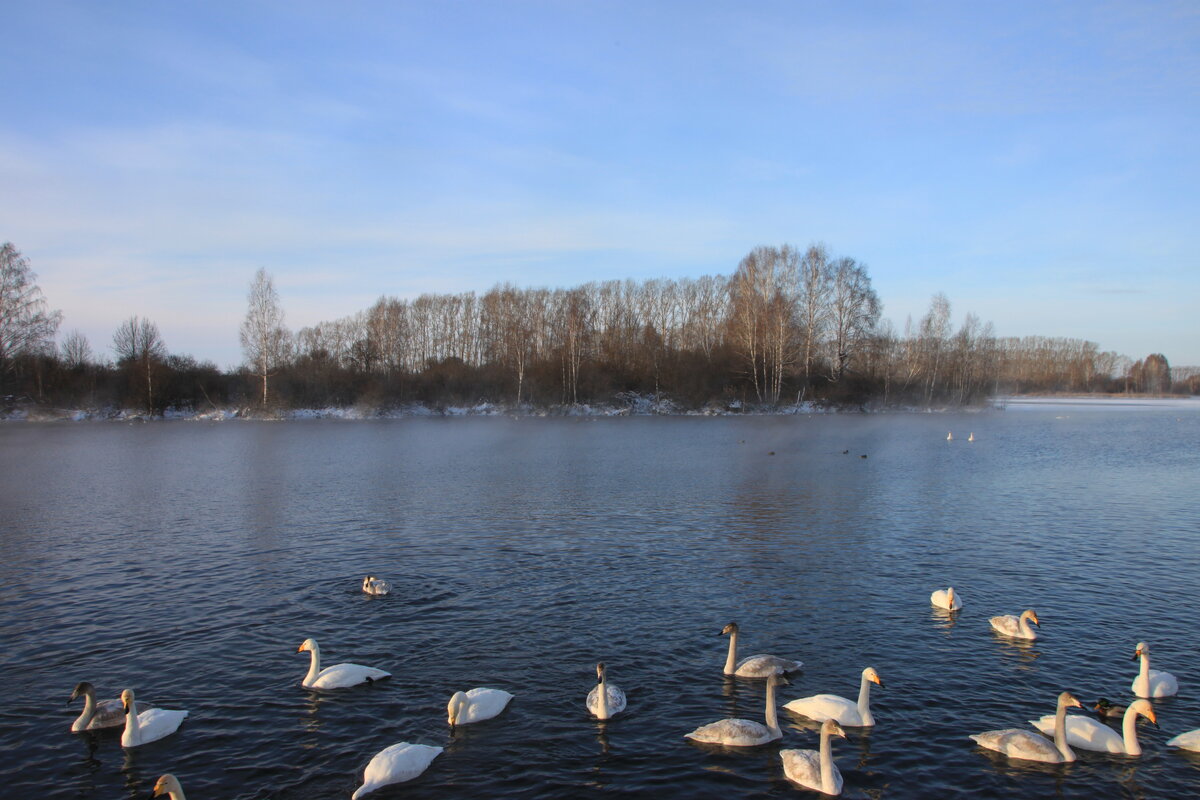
189 560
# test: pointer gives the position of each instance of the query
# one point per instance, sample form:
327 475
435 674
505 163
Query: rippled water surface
188 561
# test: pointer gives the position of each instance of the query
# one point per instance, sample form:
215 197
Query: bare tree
140 347
853 314
816 284
265 340
75 351
26 326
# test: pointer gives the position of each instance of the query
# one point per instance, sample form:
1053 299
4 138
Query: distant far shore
638 405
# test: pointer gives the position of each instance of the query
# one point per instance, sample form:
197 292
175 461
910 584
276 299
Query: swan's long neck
314 664
772 713
731 661
603 688
133 729
89 711
1144 670
1026 631
826 763
1060 732
950 598
176 794
864 701
1129 732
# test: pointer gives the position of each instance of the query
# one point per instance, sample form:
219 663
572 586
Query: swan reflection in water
943 619
1025 651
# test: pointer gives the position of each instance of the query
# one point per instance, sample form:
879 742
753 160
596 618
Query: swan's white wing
396 764
1084 732
804 767
1016 743
821 707
616 700
1188 741
763 666
1163 684
155 724
485 704
339 676
733 732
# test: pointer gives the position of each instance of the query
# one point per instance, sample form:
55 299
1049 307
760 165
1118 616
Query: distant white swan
947 599
734 732
1087 733
605 700
821 707
373 585
971 438
950 437
168 785
1016 743
148 726
759 666
1188 741
814 769
1152 682
102 714
396 764
476 705
1016 627
339 676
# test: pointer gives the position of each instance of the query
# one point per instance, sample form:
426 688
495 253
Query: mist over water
189 560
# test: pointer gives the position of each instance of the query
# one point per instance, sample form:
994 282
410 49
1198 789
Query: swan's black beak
880 682
125 707
1136 656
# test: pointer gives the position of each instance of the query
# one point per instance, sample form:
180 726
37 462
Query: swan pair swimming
758 666
1088 734
102 714
1017 743
148 726
339 676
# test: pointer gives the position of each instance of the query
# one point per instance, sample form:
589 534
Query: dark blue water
189 560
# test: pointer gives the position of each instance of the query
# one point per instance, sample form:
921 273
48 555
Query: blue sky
1036 161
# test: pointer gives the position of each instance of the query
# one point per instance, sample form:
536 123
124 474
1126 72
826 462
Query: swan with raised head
148 726
476 705
1188 741
339 676
1108 710
1088 734
1152 682
759 666
946 599
734 732
1016 743
102 714
373 585
815 769
168 785
821 707
400 762
1016 627
605 700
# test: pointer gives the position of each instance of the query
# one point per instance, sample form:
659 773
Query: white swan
821 707
1188 741
102 714
396 764
148 726
476 705
168 785
743 732
1016 743
1152 682
1087 733
814 769
971 438
950 437
605 700
1016 627
759 666
947 599
339 676
373 585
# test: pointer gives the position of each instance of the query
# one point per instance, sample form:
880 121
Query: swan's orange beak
1152 718
300 649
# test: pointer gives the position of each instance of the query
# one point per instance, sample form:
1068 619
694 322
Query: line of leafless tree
789 324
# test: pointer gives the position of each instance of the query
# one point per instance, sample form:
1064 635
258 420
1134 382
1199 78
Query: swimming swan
396 764
950 437
476 705
373 585
148 726
1016 627
1188 741
947 599
1087 733
744 732
97 715
1152 682
605 700
168 785
760 666
1016 743
812 769
821 707
339 676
